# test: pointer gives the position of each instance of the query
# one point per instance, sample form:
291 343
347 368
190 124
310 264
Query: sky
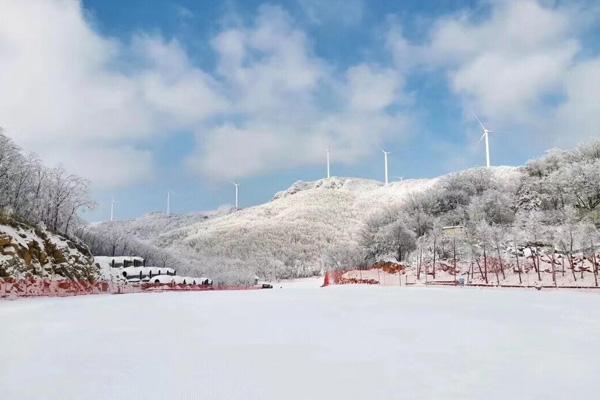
145 97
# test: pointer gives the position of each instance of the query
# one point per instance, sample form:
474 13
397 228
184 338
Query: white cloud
183 12
405 55
106 164
519 65
258 147
80 98
578 117
289 105
231 151
64 83
505 64
346 12
266 65
84 100
372 88
522 65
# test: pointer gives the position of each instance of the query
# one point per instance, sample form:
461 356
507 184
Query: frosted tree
343 256
580 184
417 213
565 237
395 238
515 235
497 235
37 194
483 232
533 226
588 236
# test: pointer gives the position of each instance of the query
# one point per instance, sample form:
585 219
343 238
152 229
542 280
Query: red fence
336 277
10 288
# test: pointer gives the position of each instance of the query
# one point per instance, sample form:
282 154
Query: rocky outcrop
31 252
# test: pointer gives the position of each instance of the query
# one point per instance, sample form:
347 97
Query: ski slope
304 342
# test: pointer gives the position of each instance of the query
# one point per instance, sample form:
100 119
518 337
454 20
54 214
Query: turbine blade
478 120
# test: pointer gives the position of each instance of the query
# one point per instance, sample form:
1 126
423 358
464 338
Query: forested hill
306 229
342 222
296 234
39 215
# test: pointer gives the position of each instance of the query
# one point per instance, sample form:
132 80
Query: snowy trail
302 342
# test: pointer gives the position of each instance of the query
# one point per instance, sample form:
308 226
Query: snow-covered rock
27 251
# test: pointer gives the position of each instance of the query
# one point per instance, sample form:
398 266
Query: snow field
304 342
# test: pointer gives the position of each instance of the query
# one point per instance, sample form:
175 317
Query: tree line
491 217
37 194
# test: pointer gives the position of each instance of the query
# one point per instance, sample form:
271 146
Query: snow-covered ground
304 342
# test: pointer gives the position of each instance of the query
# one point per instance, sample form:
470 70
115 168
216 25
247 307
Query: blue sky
143 97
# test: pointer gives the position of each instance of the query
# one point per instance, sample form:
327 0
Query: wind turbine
112 208
486 136
385 162
168 203
237 191
328 164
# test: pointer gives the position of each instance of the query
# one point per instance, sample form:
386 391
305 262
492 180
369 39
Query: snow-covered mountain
289 236
149 226
286 237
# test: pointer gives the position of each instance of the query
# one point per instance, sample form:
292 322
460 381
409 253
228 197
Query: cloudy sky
142 97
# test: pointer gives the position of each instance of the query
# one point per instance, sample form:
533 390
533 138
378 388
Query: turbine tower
328 164
385 162
237 191
168 203
486 136
112 209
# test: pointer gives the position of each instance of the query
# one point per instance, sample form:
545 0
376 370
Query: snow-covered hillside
152 225
289 236
28 252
